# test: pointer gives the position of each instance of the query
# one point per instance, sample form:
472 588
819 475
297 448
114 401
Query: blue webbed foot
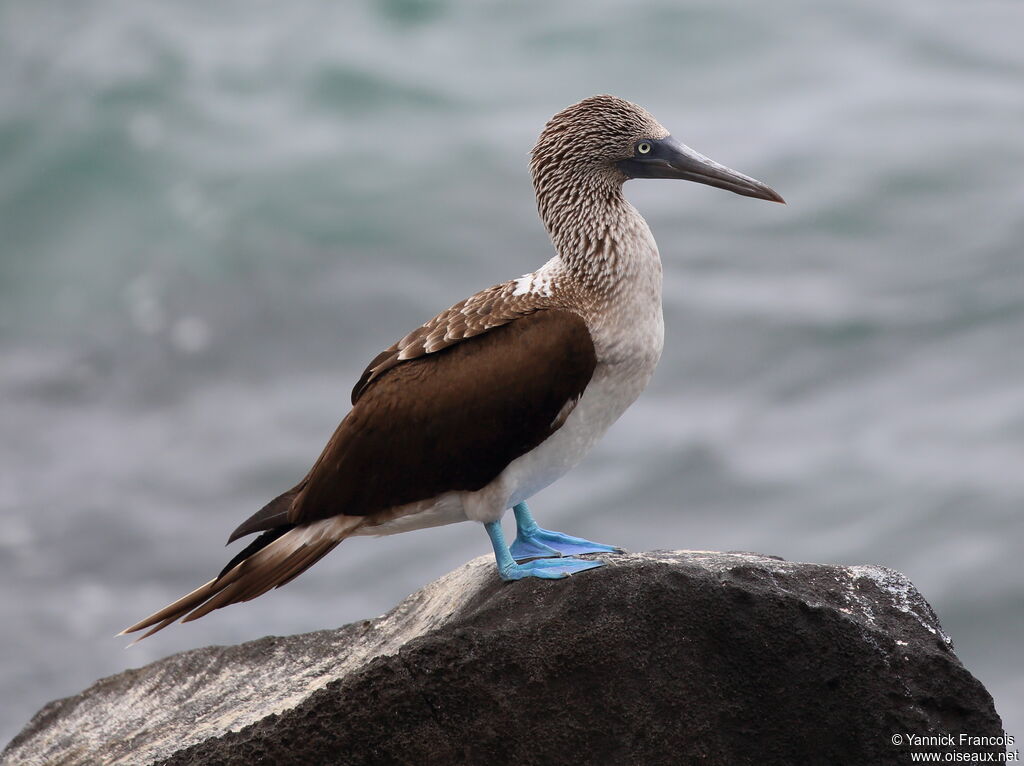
543 543
547 569
534 542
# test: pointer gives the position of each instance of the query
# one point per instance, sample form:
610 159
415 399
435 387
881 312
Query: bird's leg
548 569
533 542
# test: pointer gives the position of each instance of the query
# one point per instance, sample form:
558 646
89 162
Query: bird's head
609 140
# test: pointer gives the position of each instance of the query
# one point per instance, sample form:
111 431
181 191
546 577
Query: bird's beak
668 158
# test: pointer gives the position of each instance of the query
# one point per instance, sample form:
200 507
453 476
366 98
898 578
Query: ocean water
213 215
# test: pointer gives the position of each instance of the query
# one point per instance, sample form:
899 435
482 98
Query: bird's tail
273 559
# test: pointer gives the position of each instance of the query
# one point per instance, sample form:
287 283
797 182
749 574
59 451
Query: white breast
628 333
609 394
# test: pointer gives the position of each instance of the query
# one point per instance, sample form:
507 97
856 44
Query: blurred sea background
212 215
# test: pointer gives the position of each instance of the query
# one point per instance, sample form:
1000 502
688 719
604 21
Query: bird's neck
601 239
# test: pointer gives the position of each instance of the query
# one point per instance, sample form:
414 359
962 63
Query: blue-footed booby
498 396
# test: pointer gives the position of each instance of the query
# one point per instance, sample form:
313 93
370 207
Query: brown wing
452 419
488 309
448 420
271 516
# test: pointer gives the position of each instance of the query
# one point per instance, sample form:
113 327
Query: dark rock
658 658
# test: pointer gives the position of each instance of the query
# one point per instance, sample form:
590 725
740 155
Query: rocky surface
657 658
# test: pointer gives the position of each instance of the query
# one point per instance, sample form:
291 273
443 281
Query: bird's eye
643 147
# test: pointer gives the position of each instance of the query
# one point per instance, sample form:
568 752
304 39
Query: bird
500 395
